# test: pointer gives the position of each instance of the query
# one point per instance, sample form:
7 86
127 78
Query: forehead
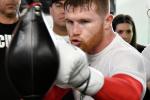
124 26
79 13
85 7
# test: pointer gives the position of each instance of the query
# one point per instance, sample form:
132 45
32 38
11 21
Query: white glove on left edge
74 70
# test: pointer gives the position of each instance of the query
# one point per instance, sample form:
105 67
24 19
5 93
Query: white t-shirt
119 57
146 54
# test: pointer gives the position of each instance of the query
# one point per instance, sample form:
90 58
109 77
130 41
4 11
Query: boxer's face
85 27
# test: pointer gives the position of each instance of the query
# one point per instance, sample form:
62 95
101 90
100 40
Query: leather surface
31 60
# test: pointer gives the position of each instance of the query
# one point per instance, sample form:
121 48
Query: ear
108 21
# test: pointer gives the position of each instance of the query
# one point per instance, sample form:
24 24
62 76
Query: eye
120 31
128 31
84 21
59 5
69 22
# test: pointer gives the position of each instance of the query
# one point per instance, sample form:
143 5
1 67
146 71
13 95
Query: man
89 27
9 15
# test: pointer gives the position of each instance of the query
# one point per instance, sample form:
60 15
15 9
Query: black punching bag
31 59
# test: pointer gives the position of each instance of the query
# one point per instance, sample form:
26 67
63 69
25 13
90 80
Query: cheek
55 18
91 40
53 13
2 3
68 27
2 8
130 37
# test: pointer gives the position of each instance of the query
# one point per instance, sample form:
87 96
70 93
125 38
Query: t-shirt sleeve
120 87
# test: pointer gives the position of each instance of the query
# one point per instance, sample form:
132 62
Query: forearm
120 87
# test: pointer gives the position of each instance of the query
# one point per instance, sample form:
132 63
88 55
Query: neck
60 30
8 19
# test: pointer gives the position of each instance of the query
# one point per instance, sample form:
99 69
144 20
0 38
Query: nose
62 10
124 36
76 29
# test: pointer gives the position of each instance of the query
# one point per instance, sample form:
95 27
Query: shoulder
122 48
124 54
129 62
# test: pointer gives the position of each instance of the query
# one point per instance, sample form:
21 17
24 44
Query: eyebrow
124 30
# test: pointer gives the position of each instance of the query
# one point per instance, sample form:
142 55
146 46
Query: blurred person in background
125 27
56 9
9 17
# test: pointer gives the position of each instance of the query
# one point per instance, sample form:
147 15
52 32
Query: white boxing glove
74 70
